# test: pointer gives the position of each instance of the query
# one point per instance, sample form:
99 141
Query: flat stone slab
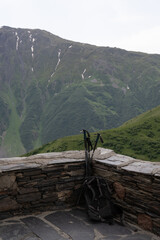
41 229
143 167
16 231
103 153
18 166
128 163
116 160
70 224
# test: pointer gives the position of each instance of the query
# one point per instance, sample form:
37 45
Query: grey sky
128 24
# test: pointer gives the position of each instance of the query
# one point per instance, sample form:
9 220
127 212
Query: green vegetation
53 88
138 138
29 129
11 140
4 115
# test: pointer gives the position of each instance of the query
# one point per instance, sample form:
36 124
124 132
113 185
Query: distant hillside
51 88
138 138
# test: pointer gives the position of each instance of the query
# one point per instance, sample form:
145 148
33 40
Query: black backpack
100 206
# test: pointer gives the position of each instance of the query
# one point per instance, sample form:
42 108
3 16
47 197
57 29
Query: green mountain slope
51 88
138 138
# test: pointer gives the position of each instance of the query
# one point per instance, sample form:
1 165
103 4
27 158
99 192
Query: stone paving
71 224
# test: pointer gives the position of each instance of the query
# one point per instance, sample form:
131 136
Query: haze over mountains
51 87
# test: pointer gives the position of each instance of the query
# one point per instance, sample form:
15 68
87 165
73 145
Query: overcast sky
128 24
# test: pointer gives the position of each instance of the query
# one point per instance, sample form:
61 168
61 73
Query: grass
12 141
138 138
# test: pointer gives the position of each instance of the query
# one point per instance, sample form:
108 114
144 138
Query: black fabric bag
98 200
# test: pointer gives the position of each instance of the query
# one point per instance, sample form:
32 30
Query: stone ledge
104 156
127 163
40 160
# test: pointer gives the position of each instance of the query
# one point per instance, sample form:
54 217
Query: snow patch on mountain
58 62
32 51
17 41
30 37
52 74
59 53
82 75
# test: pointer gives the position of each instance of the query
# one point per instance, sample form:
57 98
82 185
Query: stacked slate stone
35 187
136 188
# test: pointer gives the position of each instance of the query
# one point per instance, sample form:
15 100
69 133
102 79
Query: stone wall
135 186
40 182
52 180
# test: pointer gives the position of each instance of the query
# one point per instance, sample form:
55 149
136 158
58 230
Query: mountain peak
51 87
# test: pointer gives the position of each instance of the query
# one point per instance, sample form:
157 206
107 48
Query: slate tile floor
70 224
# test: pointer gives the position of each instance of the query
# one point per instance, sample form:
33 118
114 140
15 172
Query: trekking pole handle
95 145
101 139
98 136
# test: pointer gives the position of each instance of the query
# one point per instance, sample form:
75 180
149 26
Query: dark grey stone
71 225
31 237
80 213
19 166
12 221
29 197
5 215
14 232
114 229
138 236
111 238
41 229
32 172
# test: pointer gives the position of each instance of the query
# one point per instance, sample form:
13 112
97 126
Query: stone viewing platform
52 181
71 224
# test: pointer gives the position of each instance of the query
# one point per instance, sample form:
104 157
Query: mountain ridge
52 87
137 138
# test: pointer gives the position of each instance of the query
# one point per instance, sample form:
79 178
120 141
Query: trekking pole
88 145
86 151
95 145
87 157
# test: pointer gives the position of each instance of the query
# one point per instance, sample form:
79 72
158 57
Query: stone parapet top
40 160
128 163
101 155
